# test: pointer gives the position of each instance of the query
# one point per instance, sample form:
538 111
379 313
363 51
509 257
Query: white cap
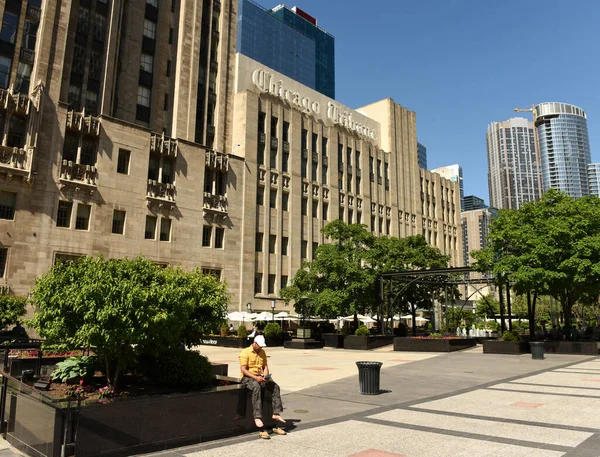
260 340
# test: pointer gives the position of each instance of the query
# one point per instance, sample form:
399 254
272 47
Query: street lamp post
273 309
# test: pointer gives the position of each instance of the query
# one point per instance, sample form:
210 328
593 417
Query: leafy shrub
272 329
362 330
223 330
510 336
12 309
74 369
436 335
242 332
179 368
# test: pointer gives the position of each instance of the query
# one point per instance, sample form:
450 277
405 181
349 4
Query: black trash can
368 377
537 350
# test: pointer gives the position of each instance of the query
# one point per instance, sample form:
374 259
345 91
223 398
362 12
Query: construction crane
527 110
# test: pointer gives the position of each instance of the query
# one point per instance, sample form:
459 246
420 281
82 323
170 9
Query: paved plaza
460 404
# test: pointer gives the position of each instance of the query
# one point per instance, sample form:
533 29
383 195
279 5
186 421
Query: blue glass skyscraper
290 42
564 147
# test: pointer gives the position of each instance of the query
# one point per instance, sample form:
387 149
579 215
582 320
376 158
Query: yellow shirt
254 361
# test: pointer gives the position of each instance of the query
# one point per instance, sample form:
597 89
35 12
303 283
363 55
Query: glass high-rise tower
513 168
289 41
564 147
594 178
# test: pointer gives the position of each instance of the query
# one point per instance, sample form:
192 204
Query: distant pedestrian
231 329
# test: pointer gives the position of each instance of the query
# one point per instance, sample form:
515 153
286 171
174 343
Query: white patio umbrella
263 316
238 316
284 316
421 319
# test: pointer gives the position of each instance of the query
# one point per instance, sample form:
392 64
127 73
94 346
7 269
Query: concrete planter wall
506 347
127 426
572 347
333 340
433 344
364 342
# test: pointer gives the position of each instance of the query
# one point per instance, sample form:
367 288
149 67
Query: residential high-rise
289 41
476 228
513 167
472 202
422 155
594 178
564 147
199 157
455 174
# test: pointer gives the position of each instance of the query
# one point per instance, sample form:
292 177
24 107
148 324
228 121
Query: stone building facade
133 128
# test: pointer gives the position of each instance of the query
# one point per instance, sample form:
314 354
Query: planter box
364 342
37 424
333 340
506 347
433 344
274 341
225 341
47 365
572 347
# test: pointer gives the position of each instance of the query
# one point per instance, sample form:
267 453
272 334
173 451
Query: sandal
264 435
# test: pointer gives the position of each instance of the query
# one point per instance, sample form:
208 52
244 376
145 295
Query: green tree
336 282
122 308
12 310
341 278
551 247
487 307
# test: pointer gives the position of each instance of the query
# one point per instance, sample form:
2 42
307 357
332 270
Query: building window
258 246
23 78
314 174
99 27
325 211
219 237
315 246
5 64
359 218
123 161
82 219
165 229
285 162
273 198
258 283
373 226
304 206
206 236
154 3
286 132
273 127
271 285
64 258
214 272
284 245
8 202
324 174
150 29
315 141
303 249
315 208
10 22
285 200
260 196
74 97
273 157
3 258
78 64
88 151
388 226
147 62
350 215
91 102
118 222
143 96
63 216
272 243
284 281
150 231
83 22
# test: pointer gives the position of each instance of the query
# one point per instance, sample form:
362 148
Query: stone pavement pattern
458 404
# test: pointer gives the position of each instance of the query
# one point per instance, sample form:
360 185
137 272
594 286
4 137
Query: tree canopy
121 308
341 279
551 246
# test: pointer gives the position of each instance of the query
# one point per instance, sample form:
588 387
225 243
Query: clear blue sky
461 64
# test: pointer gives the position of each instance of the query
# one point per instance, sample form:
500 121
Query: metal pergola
443 278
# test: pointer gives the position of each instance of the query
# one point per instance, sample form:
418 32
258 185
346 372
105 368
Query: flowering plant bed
432 337
426 344
34 353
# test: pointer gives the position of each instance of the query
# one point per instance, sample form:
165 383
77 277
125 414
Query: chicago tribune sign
266 83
